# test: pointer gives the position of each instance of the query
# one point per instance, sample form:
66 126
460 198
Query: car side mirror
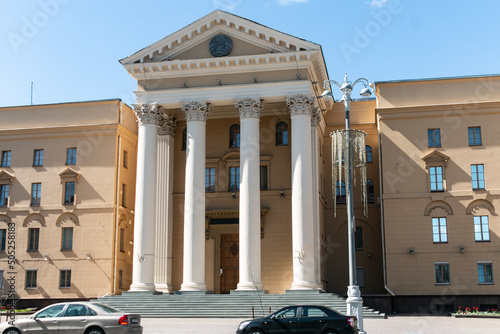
272 317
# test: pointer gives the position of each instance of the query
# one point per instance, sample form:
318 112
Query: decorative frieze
167 126
300 104
196 111
249 107
147 113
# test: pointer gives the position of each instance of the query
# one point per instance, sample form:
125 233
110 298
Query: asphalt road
392 325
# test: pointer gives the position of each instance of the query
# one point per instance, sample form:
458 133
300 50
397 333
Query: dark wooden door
229 262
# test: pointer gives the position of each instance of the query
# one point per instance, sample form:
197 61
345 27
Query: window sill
483 240
30 288
486 283
64 287
67 250
443 283
439 242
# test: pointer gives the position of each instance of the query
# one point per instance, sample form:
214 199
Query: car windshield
106 308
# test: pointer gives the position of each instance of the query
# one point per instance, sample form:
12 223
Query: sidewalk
392 325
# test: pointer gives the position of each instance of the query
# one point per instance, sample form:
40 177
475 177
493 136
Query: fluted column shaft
194 202
315 119
164 205
249 218
302 194
145 198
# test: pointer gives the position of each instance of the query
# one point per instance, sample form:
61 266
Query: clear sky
70 49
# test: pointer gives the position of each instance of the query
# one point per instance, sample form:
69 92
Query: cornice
251 63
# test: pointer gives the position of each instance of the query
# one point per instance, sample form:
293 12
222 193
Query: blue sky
70 49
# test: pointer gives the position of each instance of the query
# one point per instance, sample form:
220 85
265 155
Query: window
122 240
51 312
38 158
36 194
71 156
69 192
434 137
485 273
281 133
75 310
33 238
436 178
477 173
481 228
475 136
3 238
263 178
124 194
442 273
311 311
30 278
5 159
358 238
4 195
360 277
210 179
439 232
234 178
184 139
369 154
370 191
67 238
125 159
65 278
340 193
234 135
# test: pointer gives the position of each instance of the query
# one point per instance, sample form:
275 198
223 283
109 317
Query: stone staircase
234 305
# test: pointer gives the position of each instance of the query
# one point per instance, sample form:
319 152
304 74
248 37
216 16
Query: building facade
67 181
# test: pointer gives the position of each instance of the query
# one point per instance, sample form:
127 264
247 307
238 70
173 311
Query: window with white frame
442 272
481 228
439 230
485 272
436 178
477 174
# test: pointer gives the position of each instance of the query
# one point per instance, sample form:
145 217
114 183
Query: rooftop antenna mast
32 93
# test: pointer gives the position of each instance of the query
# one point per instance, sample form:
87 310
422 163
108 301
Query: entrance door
229 262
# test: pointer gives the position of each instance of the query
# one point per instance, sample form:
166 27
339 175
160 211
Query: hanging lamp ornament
348 152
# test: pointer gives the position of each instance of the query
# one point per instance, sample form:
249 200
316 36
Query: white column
249 216
194 202
304 274
145 198
315 119
164 205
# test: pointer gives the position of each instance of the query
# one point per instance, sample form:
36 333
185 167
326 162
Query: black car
301 319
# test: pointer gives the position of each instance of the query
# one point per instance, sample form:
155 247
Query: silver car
76 317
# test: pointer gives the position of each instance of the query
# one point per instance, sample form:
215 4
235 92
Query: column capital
147 113
249 107
167 126
300 104
315 117
196 111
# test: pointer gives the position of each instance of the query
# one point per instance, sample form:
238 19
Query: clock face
220 46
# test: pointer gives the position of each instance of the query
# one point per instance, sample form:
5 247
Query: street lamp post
354 300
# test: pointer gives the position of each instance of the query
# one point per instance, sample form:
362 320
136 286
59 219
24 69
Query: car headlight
243 324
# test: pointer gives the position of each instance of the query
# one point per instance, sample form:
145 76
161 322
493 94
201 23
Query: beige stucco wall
408 203
95 129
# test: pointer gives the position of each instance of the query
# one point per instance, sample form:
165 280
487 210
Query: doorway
229 262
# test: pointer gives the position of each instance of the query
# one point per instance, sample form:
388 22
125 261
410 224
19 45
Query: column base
142 287
165 288
355 305
193 287
304 286
249 286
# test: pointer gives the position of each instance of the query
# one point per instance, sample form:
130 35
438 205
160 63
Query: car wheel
256 331
94 331
12 331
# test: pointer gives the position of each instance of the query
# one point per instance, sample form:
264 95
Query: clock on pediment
220 46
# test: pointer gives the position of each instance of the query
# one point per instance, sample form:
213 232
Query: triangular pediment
192 41
436 157
69 174
6 177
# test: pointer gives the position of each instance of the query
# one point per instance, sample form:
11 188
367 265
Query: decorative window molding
6 177
435 163
479 207
67 219
436 205
34 220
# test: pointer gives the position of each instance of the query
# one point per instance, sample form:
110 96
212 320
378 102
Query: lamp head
327 95
365 92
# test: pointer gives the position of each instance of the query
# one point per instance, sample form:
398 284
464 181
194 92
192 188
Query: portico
198 88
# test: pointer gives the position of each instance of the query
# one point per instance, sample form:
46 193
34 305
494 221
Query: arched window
369 154
184 139
370 191
234 135
282 133
340 193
